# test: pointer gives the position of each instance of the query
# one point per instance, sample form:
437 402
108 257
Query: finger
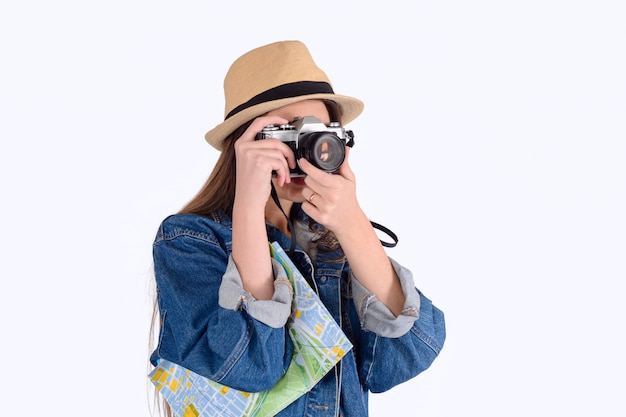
244 145
310 169
345 170
310 195
283 173
278 160
264 157
316 177
310 210
273 144
258 124
311 205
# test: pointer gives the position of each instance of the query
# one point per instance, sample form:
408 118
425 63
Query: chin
292 191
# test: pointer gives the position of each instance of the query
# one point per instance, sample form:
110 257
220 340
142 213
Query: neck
276 217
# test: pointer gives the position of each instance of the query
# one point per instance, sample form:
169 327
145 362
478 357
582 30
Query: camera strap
292 248
388 233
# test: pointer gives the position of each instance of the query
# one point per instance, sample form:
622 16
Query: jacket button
323 279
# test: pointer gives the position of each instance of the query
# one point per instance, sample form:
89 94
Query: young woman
222 304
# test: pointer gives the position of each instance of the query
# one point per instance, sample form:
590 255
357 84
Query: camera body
309 138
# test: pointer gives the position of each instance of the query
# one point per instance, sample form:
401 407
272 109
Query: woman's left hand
331 198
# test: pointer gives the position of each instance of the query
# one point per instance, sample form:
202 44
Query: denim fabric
214 328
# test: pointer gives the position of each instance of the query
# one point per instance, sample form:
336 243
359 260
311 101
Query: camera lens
323 149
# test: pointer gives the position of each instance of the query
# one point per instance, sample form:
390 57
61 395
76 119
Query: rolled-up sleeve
376 316
396 349
274 312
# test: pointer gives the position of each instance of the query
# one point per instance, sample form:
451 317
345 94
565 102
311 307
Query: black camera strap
380 227
292 248
388 233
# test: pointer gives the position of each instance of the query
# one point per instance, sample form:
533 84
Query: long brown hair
160 405
218 192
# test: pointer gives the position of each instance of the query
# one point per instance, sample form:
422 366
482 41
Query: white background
493 143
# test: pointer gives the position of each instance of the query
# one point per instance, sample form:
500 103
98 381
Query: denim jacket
211 326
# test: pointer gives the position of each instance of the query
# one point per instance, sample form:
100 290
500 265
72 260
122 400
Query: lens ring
322 149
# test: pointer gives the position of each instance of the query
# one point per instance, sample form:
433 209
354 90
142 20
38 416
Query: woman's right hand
258 160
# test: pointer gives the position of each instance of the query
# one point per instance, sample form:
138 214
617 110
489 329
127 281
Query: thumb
345 170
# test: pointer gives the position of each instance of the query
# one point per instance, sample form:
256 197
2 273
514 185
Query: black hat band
300 88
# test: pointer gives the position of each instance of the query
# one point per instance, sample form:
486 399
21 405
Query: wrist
355 226
248 203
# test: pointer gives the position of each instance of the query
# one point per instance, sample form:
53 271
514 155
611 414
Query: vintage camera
309 138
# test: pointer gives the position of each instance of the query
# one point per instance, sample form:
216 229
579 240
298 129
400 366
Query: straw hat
270 77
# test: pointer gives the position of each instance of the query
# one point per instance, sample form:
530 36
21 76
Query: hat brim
350 108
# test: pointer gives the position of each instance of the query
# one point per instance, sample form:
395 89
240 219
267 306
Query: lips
298 180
